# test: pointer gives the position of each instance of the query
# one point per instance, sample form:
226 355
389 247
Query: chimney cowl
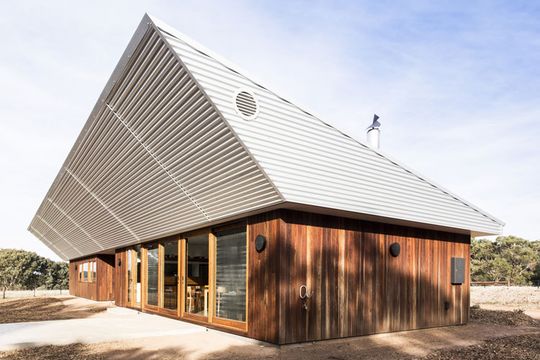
374 133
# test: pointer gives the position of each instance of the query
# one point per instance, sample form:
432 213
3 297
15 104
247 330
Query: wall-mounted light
260 243
395 249
119 262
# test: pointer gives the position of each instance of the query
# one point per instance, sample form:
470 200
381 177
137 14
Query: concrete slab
114 325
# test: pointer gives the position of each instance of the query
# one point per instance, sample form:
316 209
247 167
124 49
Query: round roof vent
246 105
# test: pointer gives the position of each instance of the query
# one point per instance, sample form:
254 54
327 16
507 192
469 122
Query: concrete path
112 325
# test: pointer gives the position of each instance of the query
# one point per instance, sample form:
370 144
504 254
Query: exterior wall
99 290
264 282
120 278
358 287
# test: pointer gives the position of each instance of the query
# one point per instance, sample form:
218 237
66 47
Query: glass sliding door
152 274
231 257
170 275
133 276
137 275
129 276
196 275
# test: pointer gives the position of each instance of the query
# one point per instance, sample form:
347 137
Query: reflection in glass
231 274
129 275
85 271
152 278
138 276
170 278
197 275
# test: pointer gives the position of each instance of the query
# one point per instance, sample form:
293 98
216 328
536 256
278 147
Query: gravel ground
512 318
491 334
524 347
524 297
47 308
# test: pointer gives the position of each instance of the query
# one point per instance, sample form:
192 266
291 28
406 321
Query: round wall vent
246 105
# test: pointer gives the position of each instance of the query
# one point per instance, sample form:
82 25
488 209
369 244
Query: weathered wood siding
263 278
120 278
100 290
358 287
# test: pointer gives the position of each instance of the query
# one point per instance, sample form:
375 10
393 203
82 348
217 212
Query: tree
508 258
57 276
21 269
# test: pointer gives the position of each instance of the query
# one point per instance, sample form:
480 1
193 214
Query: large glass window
94 273
129 275
137 270
85 272
170 275
197 275
231 274
152 260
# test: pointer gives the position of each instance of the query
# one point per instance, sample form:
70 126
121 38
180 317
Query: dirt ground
491 334
47 308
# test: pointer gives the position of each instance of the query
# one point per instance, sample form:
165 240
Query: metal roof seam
91 193
150 152
74 222
203 91
232 67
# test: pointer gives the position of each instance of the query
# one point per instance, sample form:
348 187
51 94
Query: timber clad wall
358 287
120 277
100 290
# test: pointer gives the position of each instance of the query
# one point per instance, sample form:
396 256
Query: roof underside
156 158
164 151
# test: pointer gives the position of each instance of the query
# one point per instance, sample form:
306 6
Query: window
231 274
152 274
94 275
170 275
197 275
85 272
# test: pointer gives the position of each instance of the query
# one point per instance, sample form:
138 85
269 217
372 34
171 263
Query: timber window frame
87 271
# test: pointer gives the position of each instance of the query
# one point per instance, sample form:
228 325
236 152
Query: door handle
304 293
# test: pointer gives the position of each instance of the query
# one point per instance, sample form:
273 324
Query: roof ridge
235 68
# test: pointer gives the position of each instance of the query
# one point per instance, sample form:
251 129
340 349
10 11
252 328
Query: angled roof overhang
154 158
165 151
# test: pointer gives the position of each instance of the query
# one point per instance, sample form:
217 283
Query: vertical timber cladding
100 289
357 287
263 277
120 278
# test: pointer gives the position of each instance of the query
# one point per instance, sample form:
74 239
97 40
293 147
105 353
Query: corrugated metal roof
313 163
155 158
166 150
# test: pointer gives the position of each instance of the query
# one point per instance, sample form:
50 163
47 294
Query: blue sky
456 85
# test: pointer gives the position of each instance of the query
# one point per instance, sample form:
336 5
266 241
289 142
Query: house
197 193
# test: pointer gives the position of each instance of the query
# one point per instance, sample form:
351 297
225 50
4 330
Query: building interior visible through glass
152 278
231 255
197 275
170 283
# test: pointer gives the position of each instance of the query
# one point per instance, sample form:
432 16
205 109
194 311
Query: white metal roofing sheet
165 151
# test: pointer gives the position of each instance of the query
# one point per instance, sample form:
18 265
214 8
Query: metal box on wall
458 270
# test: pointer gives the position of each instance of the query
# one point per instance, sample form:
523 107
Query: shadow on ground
46 308
475 341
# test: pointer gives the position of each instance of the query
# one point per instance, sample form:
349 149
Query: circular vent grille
246 105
